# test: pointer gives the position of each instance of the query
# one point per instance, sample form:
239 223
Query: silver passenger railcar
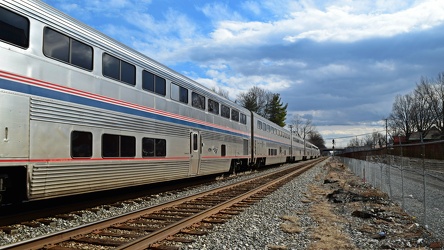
81 112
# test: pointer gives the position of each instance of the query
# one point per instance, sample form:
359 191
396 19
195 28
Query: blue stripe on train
52 94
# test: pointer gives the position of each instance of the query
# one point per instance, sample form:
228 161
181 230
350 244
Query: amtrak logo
214 149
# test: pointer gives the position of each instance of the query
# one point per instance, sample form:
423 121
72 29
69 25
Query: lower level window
272 151
152 147
81 144
118 146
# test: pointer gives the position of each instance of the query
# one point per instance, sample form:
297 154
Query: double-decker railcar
81 112
271 142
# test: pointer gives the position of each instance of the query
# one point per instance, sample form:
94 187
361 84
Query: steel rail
146 241
141 243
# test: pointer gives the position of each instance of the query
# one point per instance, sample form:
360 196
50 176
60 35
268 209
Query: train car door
195 152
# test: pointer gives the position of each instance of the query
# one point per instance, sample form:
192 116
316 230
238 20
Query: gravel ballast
293 217
327 207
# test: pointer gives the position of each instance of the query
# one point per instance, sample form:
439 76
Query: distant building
399 140
434 133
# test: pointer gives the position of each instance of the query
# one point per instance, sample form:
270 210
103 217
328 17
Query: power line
352 136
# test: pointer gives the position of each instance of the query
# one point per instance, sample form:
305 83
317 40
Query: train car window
235 115
81 144
127 146
66 49
153 147
81 55
119 70
160 86
153 83
259 124
243 118
160 147
148 147
223 150
195 142
225 111
147 81
56 45
111 66
14 28
118 146
127 73
179 93
213 107
110 145
197 100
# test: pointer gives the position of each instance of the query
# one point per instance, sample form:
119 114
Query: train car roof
73 27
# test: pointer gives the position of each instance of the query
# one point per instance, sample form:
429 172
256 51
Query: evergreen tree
275 110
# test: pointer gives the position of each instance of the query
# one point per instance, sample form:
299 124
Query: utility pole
386 132
291 143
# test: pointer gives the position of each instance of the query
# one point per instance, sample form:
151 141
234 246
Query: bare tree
355 142
255 99
401 118
302 127
433 93
221 92
421 113
316 138
439 90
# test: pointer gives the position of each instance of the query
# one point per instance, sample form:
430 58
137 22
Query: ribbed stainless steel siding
213 166
74 178
68 113
275 160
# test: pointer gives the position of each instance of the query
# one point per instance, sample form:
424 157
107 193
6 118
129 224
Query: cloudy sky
338 62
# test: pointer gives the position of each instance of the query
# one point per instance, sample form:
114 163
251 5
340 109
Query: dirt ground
350 214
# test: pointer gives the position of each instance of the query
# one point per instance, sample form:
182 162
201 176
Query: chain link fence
416 184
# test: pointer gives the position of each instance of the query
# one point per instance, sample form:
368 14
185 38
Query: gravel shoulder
327 207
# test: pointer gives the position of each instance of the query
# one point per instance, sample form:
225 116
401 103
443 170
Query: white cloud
348 55
340 23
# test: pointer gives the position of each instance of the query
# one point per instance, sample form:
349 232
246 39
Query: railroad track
151 228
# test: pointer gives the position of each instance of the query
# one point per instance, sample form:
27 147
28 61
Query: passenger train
81 112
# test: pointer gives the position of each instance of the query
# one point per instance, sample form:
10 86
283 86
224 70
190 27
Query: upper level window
198 101
259 124
14 28
225 111
213 107
64 48
179 93
243 118
153 83
234 115
118 69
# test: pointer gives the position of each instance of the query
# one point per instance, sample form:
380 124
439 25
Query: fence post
424 181
389 175
402 178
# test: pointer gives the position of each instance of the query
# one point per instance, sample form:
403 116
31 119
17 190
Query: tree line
419 110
